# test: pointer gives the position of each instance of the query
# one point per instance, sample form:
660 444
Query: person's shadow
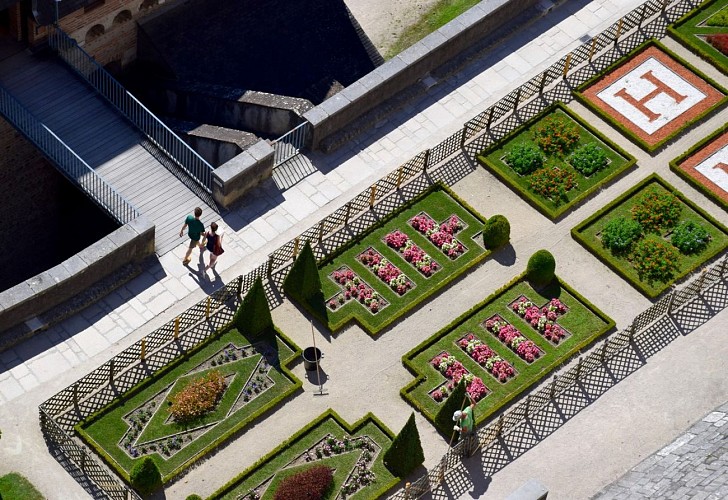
199 274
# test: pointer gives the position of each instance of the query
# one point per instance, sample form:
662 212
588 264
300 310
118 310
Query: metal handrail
70 164
289 144
157 132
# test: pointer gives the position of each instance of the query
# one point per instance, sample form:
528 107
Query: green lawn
139 422
553 207
15 487
588 233
286 459
693 29
439 204
583 321
439 15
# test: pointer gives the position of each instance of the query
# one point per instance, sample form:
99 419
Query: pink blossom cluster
411 252
509 335
385 271
396 239
422 223
441 236
356 289
543 319
370 257
343 275
477 389
451 225
485 356
454 370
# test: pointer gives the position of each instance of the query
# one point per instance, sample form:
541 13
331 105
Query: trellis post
441 471
619 31
400 174
269 272
295 247
642 15
143 350
578 368
490 117
372 195
671 301
701 279
348 211
552 393
426 163
500 425
111 372
464 135
567 63
603 354
631 329
75 395
207 308
593 48
541 85
176 328
528 404
517 99
321 231
407 494
664 6
723 266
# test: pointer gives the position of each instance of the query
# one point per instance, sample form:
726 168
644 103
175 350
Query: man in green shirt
464 421
195 228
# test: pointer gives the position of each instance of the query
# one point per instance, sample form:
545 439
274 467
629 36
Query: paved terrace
623 426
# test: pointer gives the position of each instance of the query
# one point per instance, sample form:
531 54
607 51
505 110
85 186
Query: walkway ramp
108 142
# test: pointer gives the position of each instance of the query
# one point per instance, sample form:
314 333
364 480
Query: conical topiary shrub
145 476
303 281
541 268
454 402
405 453
496 232
253 316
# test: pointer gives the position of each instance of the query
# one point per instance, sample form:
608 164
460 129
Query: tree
145 476
303 281
454 402
496 232
253 316
405 453
541 268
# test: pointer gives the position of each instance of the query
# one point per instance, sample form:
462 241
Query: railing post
207 308
500 425
426 163
464 135
603 354
567 63
490 117
619 31
400 174
372 195
578 368
176 328
348 211
541 85
143 350
593 48
517 99
321 231
111 371
407 493
553 388
295 248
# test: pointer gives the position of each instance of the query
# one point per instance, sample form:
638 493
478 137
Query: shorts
194 243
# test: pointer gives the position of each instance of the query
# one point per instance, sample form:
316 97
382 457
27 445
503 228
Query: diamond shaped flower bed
652 96
488 342
149 420
704 32
652 236
397 243
354 453
556 160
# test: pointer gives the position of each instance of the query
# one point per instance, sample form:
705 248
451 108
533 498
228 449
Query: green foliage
496 232
145 476
303 281
541 268
556 135
253 316
552 183
13 486
588 159
657 210
315 482
405 454
524 158
193 497
690 237
454 402
655 259
720 18
619 234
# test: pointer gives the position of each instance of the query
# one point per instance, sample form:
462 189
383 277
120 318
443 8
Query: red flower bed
412 253
441 236
385 271
510 336
355 289
719 41
454 371
543 319
486 357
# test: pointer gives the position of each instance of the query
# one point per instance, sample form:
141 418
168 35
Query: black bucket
311 358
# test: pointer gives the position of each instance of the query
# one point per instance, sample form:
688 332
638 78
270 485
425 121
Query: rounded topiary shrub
145 476
524 158
193 497
541 268
690 237
315 482
619 234
588 159
496 232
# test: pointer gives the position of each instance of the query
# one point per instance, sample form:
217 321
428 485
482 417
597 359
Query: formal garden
705 166
556 160
405 258
503 345
652 235
705 32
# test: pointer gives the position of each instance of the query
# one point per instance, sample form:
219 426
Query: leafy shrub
524 158
588 159
541 267
720 42
655 259
556 135
303 281
657 210
198 397
619 233
552 183
690 237
145 476
720 18
496 232
405 453
193 497
253 315
312 483
455 401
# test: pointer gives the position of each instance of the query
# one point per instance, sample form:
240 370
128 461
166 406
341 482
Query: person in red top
213 242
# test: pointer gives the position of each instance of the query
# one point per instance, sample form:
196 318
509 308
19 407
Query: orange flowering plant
198 397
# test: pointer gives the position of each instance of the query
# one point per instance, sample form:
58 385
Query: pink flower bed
454 371
354 289
487 357
412 253
510 336
441 236
385 271
543 319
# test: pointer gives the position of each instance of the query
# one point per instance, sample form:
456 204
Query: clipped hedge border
439 185
534 200
700 48
547 369
600 253
614 122
217 442
675 167
291 441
